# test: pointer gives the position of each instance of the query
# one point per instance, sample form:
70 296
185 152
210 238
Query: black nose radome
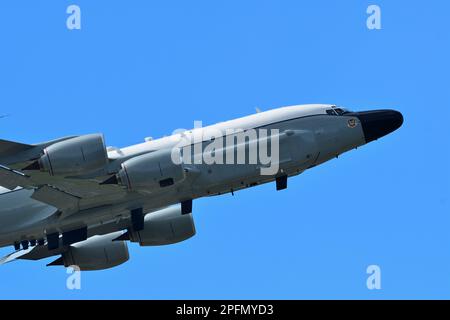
378 123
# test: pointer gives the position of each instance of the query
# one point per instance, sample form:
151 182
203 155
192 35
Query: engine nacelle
163 227
97 253
152 171
75 156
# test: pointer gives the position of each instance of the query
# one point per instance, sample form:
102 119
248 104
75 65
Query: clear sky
145 68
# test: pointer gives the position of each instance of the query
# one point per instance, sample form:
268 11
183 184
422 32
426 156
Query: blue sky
145 68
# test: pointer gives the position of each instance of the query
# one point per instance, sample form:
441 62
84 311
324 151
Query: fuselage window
331 112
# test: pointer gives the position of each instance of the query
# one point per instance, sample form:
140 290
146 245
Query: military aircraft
77 199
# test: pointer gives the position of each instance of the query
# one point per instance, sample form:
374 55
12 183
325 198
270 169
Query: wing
11 179
32 253
15 255
12 148
67 194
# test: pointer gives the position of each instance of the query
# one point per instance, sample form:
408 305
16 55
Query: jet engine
163 227
75 156
96 253
152 171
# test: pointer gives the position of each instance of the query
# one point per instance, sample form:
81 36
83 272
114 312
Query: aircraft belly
18 211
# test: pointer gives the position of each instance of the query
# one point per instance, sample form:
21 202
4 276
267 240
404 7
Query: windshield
337 111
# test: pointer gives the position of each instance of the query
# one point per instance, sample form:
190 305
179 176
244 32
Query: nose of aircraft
378 123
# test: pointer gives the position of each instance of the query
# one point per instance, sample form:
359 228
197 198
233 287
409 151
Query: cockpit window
337 111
